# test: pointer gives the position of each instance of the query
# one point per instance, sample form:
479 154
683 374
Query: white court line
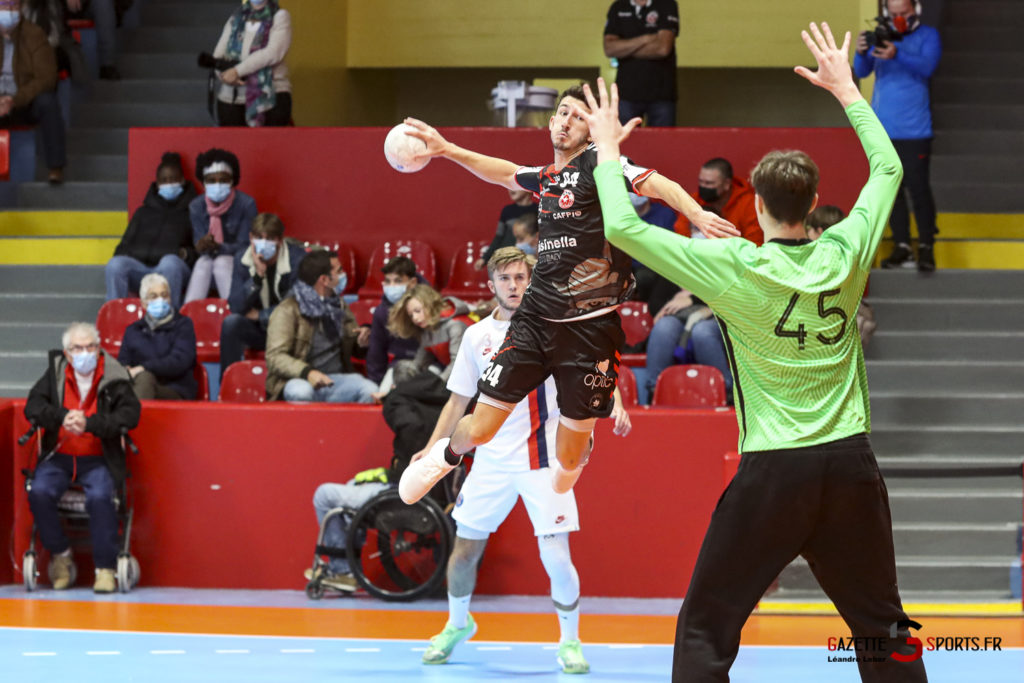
166 652
232 652
549 647
38 654
297 651
492 648
417 649
362 649
103 653
625 646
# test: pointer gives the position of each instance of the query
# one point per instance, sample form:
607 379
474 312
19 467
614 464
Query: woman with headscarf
255 92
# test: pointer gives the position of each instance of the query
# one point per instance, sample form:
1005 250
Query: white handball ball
400 148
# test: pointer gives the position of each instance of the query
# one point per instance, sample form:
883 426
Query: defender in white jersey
514 464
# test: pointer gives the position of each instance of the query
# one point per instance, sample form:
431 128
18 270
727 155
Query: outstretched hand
603 119
434 141
834 73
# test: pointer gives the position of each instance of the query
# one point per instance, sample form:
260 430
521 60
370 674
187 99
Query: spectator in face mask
83 403
385 348
522 204
159 351
262 277
524 229
159 236
729 196
221 220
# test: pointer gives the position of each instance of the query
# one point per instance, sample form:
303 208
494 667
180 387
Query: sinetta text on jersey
562 242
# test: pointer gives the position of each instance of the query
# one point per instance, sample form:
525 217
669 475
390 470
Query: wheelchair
75 519
396 552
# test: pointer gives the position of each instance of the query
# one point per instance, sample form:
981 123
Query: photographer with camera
249 61
903 53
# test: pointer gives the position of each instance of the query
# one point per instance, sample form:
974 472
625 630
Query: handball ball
400 148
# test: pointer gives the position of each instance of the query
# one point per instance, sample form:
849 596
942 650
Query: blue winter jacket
901 98
169 352
236 222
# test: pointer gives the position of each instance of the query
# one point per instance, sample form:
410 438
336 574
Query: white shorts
488 496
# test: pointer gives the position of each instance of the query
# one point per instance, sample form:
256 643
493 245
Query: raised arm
672 193
491 169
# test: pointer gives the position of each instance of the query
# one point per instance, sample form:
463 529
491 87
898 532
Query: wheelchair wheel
398 551
128 572
314 590
29 570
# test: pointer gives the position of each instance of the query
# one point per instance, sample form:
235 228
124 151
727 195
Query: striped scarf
259 87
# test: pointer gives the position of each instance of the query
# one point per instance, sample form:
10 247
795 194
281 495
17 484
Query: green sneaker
570 656
443 643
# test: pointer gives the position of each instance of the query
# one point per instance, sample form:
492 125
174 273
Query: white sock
458 610
569 623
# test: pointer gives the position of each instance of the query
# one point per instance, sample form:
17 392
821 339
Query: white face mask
9 19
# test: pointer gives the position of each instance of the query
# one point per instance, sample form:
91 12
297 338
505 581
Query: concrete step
955 504
83 196
991 38
994 116
91 167
176 65
974 141
949 284
52 279
83 140
979 168
122 115
168 38
68 306
22 367
198 14
956 540
935 314
971 197
15 389
21 337
948 346
182 91
1007 90
968 64
978 14
983 573
964 407
911 440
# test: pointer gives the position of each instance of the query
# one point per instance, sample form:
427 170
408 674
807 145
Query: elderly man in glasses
83 403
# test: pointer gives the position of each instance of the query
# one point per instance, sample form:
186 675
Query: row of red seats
678 386
463 281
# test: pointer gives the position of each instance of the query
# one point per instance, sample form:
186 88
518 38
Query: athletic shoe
419 477
105 582
61 567
570 656
926 258
337 581
901 257
443 643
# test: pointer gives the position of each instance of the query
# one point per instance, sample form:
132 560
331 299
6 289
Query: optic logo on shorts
599 379
567 199
559 519
561 242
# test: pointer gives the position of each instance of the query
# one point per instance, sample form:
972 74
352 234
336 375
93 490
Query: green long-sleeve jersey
787 310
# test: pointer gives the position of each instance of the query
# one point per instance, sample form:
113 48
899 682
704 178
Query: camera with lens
882 33
208 61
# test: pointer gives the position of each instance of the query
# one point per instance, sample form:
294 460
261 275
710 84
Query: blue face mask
84 362
158 308
342 283
9 19
526 248
267 249
394 292
218 192
170 191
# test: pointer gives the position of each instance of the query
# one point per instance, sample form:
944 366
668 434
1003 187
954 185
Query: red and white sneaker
419 477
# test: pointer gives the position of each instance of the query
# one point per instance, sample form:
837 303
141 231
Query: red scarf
216 211
86 443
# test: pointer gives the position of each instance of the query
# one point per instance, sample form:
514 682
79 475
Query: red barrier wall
232 507
333 184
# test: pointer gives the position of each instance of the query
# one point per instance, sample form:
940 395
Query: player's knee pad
584 426
565 581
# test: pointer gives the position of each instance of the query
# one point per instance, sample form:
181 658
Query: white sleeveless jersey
527 439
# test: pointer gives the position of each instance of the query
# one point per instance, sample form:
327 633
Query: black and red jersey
578 272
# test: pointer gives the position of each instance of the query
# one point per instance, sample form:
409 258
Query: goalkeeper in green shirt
807 483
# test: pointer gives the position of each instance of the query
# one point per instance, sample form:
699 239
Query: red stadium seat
464 282
636 323
112 320
5 155
689 386
202 381
244 382
207 316
363 310
627 386
421 253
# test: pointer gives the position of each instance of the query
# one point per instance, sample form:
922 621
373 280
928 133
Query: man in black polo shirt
641 35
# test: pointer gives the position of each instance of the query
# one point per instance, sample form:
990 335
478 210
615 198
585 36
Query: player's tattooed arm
491 169
672 193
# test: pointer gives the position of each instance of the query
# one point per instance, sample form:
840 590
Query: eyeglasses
78 348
